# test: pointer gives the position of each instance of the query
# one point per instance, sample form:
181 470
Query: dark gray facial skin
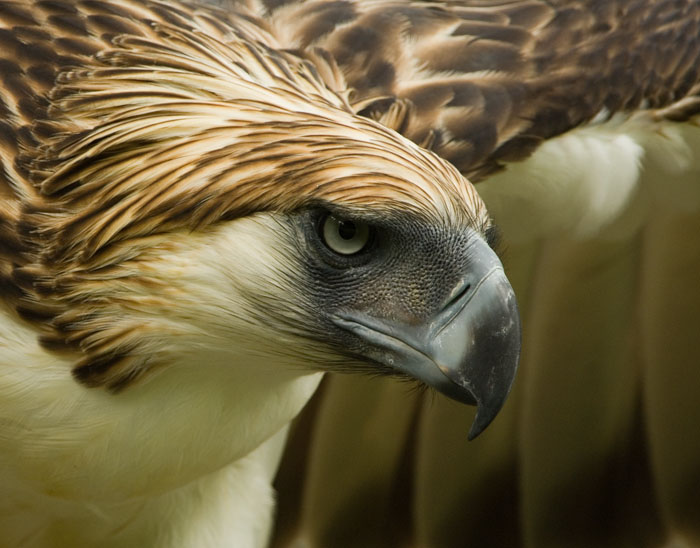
418 300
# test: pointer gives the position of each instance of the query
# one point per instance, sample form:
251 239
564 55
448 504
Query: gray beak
468 351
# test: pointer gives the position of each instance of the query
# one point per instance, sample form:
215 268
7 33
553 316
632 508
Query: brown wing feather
486 81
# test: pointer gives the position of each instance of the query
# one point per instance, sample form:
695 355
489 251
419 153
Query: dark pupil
347 230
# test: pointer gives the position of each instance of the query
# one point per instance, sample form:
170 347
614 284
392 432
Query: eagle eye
343 236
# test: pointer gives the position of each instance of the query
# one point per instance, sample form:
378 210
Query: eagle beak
468 351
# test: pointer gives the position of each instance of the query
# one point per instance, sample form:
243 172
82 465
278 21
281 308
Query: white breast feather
70 452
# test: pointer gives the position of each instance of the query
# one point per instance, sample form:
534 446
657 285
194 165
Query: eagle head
214 204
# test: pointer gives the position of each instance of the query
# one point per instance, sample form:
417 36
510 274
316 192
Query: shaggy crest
180 131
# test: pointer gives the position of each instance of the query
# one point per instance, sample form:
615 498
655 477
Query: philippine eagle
205 207
195 225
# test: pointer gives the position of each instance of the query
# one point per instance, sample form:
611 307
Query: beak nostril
463 292
457 293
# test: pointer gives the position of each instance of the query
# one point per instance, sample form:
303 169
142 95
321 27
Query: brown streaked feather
139 120
487 81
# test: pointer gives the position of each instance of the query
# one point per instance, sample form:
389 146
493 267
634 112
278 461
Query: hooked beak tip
469 351
482 370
